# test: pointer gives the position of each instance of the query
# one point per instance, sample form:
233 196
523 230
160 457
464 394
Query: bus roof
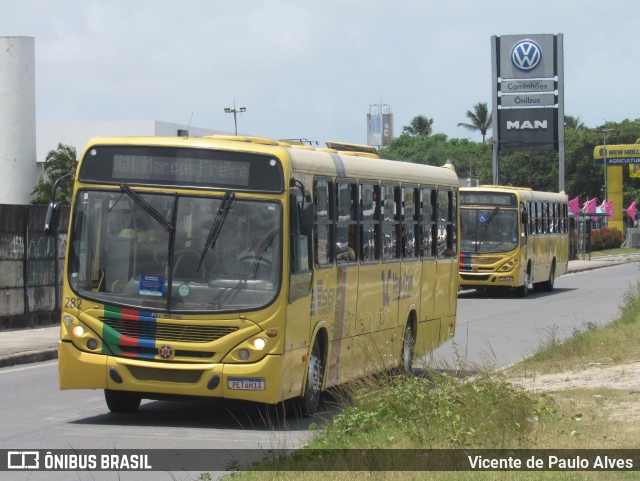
303 158
523 193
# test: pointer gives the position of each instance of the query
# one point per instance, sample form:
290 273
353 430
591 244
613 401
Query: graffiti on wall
41 247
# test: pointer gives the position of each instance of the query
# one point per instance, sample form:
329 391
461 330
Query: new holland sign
621 154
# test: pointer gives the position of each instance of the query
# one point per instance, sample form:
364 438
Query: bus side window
446 237
409 232
389 222
427 222
370 224
346 222
324 228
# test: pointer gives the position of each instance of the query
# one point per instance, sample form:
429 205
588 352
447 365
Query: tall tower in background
379 125
17 119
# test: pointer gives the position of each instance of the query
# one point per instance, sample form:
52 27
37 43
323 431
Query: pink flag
574 205
631 210
608 208
589 206
603 206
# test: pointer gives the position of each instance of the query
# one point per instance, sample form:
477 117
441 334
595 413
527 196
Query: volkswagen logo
526 55
165 351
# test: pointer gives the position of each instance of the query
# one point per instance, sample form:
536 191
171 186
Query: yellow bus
512 237
251 269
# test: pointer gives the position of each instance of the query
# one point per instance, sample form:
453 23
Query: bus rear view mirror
51 219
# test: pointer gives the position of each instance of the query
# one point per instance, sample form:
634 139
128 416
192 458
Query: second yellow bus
512 238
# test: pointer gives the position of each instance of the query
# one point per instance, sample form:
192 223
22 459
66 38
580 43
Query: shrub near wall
606 238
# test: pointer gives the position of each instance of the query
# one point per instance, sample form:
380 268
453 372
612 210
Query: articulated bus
512 237
251 269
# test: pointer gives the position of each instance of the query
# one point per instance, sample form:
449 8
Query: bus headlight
254 348
507 266
82 336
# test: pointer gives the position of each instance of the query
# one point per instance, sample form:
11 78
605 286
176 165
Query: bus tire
408 348
523 290
310 399
548 285
122 401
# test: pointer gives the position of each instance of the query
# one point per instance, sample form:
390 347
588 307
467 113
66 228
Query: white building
17 119
77 134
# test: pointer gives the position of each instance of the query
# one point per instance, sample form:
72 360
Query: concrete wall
29 293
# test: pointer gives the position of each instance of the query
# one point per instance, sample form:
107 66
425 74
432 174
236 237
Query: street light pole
234 111
604 133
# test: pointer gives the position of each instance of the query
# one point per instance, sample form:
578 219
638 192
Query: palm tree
571 122
59 162
420 126
480 119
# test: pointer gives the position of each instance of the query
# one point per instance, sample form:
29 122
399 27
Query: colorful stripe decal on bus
465 261
141 333
338 334
337 161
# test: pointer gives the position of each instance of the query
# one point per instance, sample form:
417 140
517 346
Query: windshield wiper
148 208
210 241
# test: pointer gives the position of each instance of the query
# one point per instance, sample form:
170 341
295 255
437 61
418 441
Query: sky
312 69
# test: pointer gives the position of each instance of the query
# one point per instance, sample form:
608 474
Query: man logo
526 55
526 125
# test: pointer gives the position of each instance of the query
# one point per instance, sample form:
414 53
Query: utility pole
233 110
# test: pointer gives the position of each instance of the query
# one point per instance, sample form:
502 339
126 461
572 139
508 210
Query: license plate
245 384
506 279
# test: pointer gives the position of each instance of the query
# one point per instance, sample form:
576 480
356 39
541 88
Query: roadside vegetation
491 410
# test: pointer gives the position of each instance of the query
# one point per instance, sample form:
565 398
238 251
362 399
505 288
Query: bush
606 238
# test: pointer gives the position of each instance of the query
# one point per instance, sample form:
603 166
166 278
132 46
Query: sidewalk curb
29 357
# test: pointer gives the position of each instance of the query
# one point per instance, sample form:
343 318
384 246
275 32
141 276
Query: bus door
373 301
446 260
428 328
410 281
345 280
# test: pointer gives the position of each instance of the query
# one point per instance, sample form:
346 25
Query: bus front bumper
488 279
257 381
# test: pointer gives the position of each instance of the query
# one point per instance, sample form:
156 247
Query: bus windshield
155 251
490 229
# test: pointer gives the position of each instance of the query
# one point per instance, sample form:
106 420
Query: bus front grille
188 376
168 332
475 277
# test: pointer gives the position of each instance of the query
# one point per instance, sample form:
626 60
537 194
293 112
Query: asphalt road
497 329
492 330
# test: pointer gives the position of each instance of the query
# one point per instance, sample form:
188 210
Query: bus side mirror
306 218
524 217
51 219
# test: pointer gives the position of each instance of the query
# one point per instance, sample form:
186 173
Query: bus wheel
548 285
408 348
313 387
523 290
122 401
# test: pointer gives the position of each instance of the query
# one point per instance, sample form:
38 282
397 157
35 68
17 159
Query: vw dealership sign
527 75
526 55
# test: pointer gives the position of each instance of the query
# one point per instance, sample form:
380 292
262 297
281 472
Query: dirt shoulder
620 376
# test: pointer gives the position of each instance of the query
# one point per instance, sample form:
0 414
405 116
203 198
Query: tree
420 126
480 119
59 162
574 123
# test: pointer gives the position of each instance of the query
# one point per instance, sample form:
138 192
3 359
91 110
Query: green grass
611 252
440 411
